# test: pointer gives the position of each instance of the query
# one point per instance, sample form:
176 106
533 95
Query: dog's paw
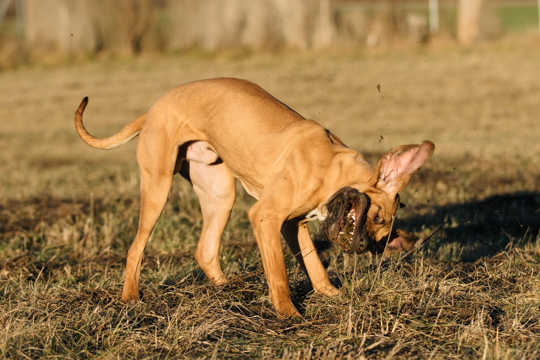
222 280
287 312
328 290
130 298
132 302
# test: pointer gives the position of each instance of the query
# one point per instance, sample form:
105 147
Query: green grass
517 18
470 289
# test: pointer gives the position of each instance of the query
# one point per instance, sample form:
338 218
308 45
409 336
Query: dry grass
470 290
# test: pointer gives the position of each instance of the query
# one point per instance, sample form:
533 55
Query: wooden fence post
469 20
434 16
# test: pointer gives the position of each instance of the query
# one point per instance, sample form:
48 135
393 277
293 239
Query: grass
516 18
470 289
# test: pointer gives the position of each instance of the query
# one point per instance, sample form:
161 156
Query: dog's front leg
266 222
300 243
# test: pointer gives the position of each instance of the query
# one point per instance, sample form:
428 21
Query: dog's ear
399 240
398 165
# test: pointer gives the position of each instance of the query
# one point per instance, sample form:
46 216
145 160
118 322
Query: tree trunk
468 21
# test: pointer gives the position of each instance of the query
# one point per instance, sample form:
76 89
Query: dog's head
360 218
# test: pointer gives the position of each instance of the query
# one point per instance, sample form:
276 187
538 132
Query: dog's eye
378 220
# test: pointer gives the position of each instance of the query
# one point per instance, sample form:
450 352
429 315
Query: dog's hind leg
156 162
216 188
297 237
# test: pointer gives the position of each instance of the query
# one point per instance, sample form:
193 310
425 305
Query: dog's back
241 121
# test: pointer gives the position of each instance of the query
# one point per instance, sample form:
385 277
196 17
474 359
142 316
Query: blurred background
29 28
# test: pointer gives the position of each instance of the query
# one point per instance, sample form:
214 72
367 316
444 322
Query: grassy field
470 289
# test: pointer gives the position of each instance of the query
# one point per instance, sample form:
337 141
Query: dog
215 131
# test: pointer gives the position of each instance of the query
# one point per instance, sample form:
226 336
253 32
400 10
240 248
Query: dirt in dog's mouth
345 222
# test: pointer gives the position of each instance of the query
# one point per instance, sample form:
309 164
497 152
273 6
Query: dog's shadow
472 230
478 228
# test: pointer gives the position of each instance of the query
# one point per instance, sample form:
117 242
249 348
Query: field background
471 288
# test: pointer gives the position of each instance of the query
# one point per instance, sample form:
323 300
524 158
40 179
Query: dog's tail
129 131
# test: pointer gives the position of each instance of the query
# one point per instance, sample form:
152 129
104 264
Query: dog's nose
360 243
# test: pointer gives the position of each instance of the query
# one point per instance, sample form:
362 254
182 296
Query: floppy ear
398 165
399 240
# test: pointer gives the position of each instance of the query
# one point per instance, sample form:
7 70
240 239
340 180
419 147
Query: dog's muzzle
345 223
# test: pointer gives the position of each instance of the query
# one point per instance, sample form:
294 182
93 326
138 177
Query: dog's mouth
345 222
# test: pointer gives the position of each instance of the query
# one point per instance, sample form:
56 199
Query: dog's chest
315 214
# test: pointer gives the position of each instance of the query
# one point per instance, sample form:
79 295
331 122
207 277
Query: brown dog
215 131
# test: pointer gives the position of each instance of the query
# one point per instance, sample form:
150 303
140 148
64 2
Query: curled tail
129 131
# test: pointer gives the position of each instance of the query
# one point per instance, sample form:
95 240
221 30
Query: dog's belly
251 190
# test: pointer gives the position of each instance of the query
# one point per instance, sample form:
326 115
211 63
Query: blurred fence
125 26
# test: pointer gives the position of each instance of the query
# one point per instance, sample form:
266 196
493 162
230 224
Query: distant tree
468 29
136 20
